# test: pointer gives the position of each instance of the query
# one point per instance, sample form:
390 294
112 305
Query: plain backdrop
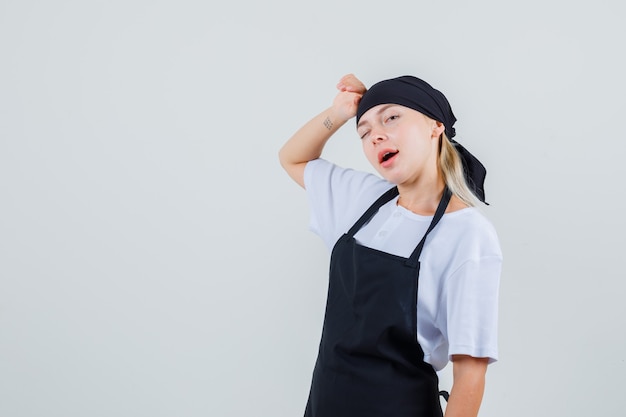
156 261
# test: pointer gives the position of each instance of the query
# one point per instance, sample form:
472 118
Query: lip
383 152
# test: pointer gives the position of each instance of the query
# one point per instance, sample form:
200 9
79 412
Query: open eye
391 118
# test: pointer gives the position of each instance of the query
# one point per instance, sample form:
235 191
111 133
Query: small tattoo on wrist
328 123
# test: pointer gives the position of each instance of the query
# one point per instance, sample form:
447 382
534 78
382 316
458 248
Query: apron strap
388 195
441 209
445 395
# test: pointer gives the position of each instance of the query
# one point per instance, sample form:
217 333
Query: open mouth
387 156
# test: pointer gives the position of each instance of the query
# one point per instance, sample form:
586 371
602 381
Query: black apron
370 363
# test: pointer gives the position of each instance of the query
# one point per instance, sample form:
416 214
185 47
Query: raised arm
308 142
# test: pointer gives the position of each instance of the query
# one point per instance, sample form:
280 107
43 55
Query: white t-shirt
457 301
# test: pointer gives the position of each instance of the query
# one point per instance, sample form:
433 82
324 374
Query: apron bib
370 363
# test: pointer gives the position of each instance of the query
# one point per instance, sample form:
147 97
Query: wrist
335 118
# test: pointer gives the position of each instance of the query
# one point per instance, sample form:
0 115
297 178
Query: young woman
414 226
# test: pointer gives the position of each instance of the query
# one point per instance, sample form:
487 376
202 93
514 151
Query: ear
438 129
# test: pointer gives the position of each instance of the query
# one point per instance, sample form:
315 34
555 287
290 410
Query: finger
346 79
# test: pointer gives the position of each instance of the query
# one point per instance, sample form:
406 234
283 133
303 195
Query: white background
155 260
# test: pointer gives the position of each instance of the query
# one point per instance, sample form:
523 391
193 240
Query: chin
394 175
391 178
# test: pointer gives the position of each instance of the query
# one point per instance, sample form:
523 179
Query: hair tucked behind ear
452 172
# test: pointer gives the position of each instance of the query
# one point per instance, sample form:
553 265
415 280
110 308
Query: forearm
468 387
308 142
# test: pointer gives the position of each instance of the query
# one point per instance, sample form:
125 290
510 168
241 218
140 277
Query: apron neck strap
413 260
441 209
387 196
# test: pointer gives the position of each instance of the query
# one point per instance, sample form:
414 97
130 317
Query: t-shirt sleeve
337 197
468 309
472 309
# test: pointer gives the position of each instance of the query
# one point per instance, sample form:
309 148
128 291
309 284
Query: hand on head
350 83
351 89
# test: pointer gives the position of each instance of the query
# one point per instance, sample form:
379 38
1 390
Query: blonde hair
452 172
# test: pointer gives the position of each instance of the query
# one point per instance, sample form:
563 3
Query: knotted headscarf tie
417 94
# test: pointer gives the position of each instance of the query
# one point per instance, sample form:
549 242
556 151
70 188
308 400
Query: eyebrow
379 111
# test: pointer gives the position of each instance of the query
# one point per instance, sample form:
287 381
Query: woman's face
400 143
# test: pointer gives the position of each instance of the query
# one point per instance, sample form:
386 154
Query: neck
422 199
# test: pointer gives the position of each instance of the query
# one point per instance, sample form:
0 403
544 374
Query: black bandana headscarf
418 95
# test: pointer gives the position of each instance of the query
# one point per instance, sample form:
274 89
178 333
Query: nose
377 135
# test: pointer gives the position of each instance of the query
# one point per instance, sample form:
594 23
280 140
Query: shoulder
337 196
471 219
321 170
322 177
469 234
